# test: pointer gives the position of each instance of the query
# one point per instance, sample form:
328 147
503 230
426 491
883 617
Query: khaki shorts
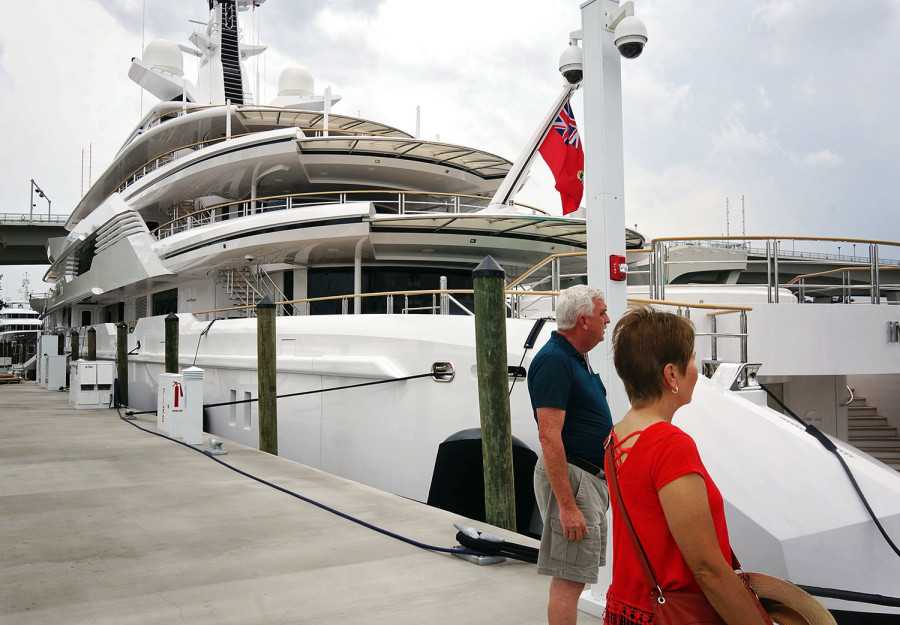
578 561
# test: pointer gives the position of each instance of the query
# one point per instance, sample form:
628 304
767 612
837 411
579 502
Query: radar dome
296 81
164 55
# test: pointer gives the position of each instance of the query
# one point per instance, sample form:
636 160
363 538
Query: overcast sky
792 104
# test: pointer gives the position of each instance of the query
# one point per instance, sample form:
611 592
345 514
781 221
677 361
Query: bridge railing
35 218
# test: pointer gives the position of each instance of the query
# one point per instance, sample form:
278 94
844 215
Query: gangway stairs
872 433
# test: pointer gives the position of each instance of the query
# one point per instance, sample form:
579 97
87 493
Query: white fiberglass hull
791 510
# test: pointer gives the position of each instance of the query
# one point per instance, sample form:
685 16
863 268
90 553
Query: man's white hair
576 301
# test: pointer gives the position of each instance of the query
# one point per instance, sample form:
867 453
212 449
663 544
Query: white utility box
170 404
192 420
91 383
47 344
54 371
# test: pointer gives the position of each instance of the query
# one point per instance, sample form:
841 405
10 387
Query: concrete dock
101 523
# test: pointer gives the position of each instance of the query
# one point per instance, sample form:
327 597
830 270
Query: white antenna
418 120
727 220
743 218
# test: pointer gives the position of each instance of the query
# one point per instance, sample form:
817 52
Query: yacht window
325 282
702 277
114 313
85 256
140 307
288 290
165 302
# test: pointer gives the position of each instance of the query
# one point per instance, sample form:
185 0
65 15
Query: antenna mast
743 219
727 220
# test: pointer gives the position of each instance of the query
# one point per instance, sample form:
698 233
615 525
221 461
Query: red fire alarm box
618 268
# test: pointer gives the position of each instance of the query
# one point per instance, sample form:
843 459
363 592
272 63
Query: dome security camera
571 64
630 37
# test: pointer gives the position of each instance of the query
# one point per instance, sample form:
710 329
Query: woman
675 508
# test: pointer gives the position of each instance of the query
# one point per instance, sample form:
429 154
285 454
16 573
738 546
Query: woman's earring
675 390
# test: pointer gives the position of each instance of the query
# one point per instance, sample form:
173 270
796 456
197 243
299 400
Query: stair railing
850 395
264 282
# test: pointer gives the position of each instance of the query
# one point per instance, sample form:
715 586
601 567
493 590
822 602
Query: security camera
571 64
630 37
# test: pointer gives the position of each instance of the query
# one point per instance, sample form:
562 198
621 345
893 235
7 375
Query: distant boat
20 327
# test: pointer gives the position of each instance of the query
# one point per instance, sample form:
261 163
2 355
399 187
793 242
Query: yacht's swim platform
103 523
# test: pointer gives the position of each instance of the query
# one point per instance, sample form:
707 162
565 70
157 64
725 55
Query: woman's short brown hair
645 340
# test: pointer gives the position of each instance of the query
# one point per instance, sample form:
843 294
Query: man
569 402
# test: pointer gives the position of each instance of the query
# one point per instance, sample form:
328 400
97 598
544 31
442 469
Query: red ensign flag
562 152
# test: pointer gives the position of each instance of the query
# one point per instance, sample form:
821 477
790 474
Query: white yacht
20 327
367 236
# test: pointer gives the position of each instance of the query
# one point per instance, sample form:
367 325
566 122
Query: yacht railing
440 303
393 202
174 154
442 298
848 290
774 257
167 157
684 309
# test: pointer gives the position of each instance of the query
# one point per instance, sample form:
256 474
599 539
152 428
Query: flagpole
518 173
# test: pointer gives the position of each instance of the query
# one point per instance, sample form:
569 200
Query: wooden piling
493 394
91 344
172 343
265 366
122 361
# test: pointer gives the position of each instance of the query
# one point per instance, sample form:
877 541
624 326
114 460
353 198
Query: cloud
823 159
736 138
805 87
651 98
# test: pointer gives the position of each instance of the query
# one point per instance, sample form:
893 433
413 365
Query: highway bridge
23 238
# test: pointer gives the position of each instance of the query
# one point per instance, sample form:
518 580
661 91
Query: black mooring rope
830 446
321 390
343 515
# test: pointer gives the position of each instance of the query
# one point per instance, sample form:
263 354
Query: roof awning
540 228
480 163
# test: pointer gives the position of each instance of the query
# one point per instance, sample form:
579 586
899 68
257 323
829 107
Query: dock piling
493 394
265 354
91 344
122 361
172 343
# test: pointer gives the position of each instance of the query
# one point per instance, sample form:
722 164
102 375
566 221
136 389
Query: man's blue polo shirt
559 378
